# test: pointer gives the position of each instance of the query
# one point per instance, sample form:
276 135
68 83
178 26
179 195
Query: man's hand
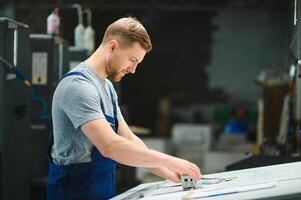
181 166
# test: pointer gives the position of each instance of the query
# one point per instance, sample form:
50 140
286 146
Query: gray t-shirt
75 102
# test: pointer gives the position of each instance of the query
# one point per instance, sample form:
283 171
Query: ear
113 45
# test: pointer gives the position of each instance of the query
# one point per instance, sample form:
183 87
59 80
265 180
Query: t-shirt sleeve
81 102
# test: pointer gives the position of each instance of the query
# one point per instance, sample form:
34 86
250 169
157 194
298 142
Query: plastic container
53 22
236 127
79 36
89 35
89 39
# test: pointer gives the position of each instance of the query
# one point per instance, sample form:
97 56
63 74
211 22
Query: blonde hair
127 31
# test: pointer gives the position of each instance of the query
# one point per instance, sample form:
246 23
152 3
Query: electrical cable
34 97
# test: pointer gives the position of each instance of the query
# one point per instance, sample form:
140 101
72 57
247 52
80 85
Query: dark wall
184 44
175 68
247 42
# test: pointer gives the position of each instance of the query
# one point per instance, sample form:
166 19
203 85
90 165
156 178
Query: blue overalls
94 180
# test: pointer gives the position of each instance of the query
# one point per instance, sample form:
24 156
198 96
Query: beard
112 69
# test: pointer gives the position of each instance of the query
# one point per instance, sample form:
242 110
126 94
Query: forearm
120 149
137 141
138 155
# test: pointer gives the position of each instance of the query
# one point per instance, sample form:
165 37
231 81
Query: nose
132 69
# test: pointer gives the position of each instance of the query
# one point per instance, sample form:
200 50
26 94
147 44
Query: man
89 132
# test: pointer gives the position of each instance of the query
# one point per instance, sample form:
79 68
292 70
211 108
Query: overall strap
114 109
75 73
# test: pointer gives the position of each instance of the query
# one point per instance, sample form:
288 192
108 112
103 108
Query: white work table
281 181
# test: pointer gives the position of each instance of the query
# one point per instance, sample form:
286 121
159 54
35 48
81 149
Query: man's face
124 60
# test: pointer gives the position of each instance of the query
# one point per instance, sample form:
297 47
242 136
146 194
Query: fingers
193 170
175 177
182 166
193 173
197 172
